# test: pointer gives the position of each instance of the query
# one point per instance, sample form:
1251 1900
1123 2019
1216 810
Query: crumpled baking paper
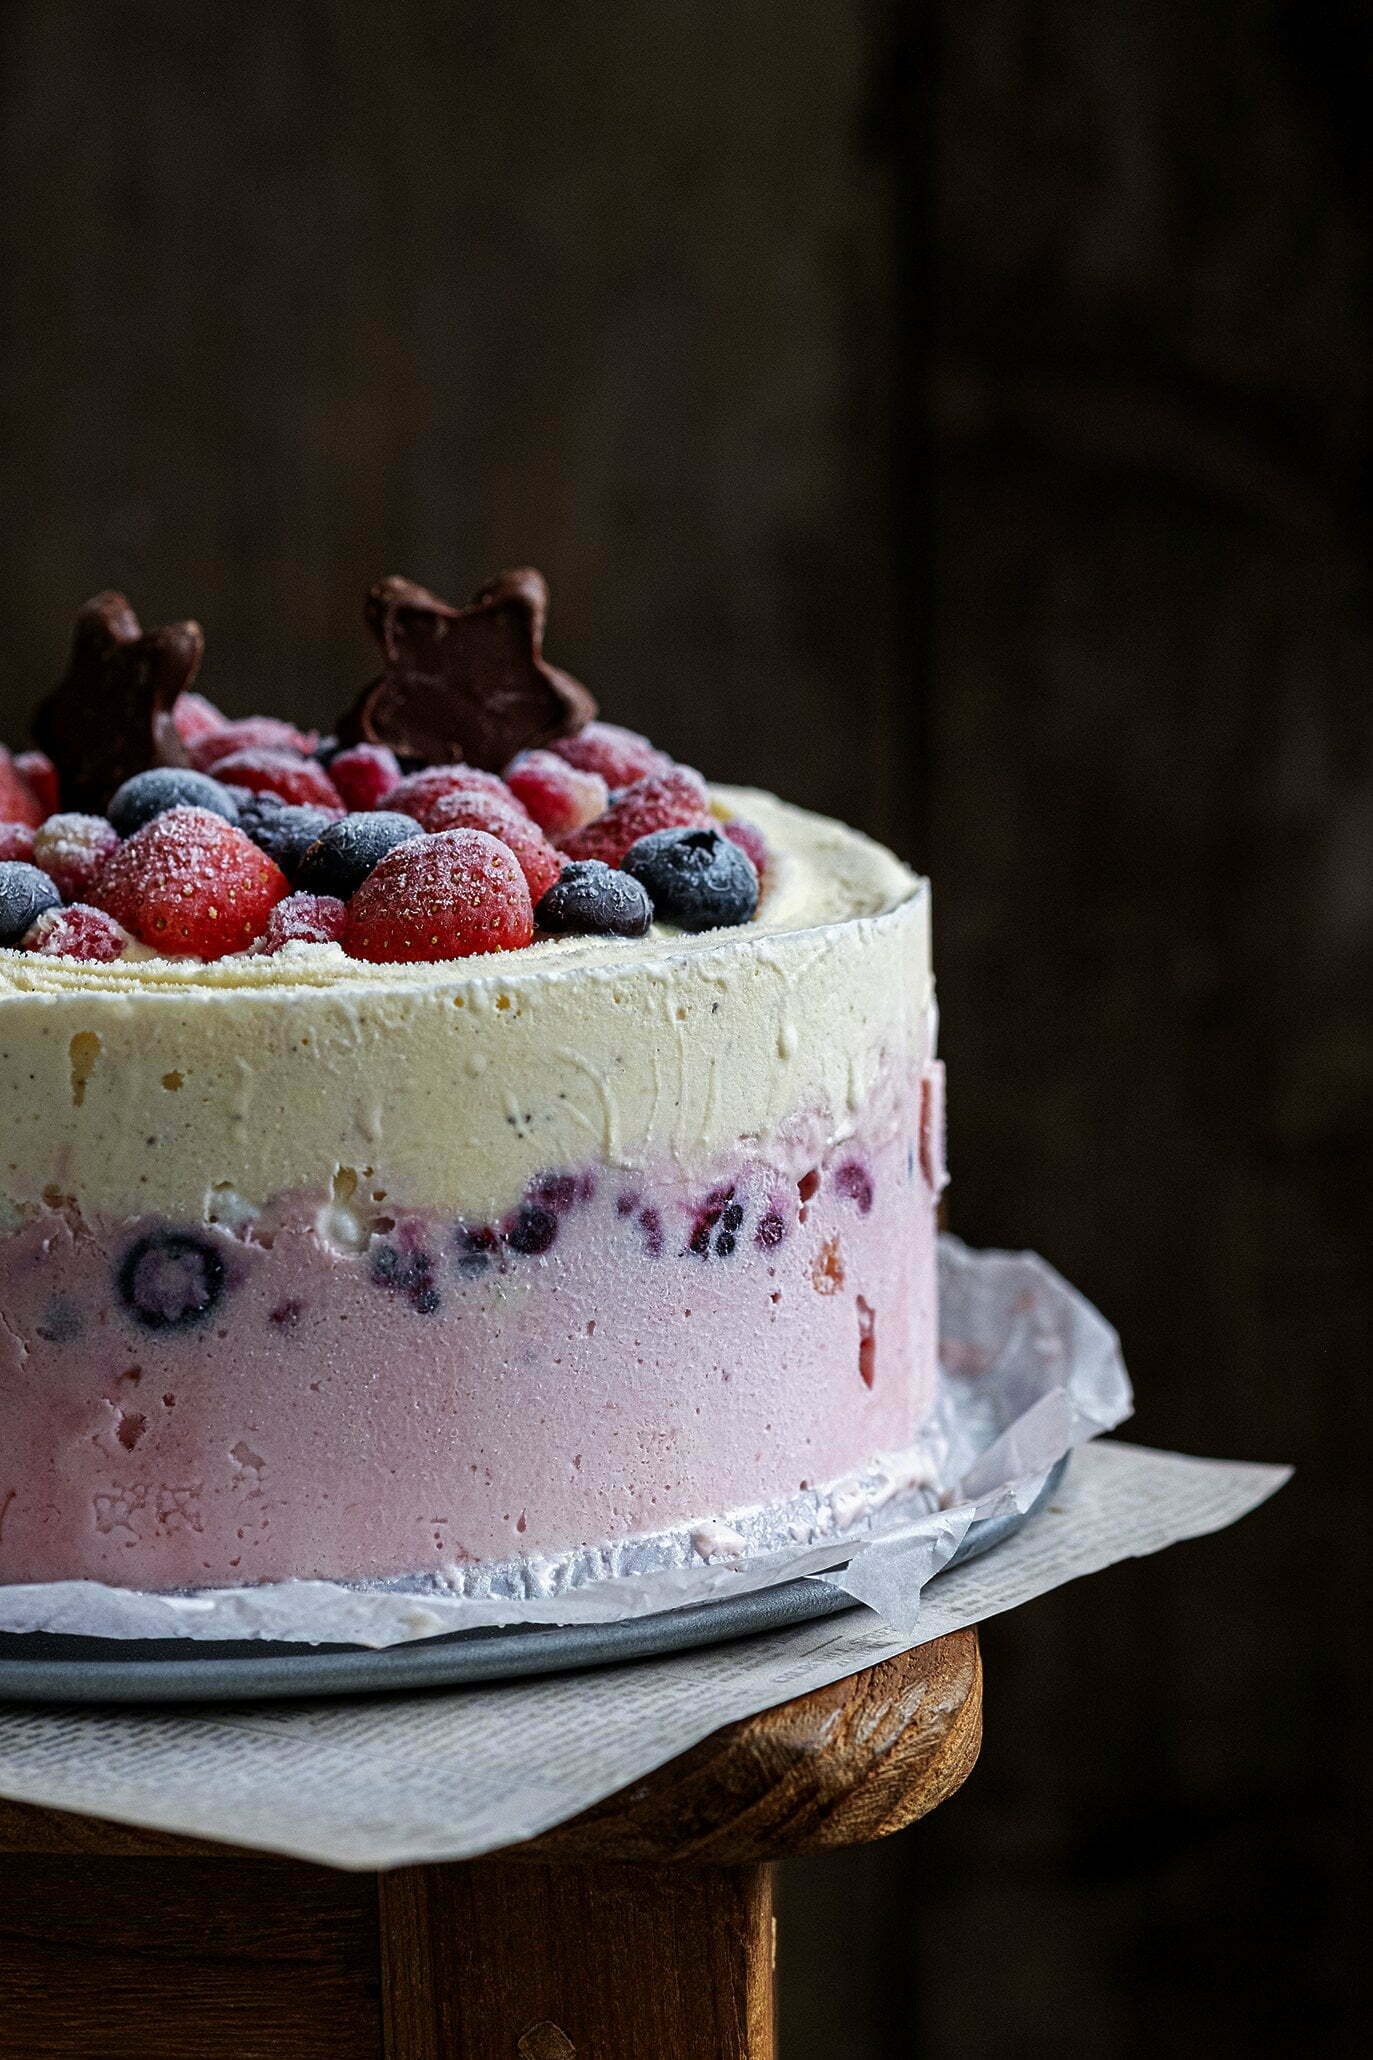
1029 1369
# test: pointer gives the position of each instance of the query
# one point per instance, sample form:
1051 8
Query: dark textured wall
959 417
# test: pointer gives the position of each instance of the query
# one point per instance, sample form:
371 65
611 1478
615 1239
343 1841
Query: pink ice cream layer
184 1406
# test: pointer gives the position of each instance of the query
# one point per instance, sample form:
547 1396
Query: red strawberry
16 841
620 756
418 791
72 850
297 780
365 775
750 840
194 719
559 796
446 896
39 774
18 802
673 800
253 733
539 862
188 882
302 919
77 932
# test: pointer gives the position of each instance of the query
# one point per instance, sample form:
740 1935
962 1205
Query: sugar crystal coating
190 883
560 797
252 733
670 800
344 854
539 862
79 932
152 793
24 894
73 850
364 774
298 780
696 878
419 792
619 755
303 919
592 899
452 895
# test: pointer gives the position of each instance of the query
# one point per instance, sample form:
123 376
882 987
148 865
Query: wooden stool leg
516 1961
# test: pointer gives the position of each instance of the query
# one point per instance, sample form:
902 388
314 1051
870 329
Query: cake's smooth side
405 1367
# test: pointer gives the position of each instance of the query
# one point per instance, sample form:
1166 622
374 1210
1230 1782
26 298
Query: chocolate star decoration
110 715
464 683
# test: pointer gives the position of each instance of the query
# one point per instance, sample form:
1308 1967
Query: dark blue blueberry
531 1230
697 879
732 1217
24 894
409 1274
342 856
171 1279
591 899
770 1232
476 1246
725 1243
285 830
152 793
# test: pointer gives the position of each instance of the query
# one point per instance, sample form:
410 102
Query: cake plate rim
43 1667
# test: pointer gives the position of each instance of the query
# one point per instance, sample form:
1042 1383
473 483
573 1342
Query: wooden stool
641 1930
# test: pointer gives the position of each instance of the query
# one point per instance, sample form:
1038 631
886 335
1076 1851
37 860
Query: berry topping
194 718
188 882
696 879
408 1273
77 932
18 802
152 793
171 1280
419 791
72 850
620 756
539 862
293 779
340 858
283 832
593 900
39 775
16 841
302 919
560 797
670 800
253 733
364 775
750 840
24 894
438 897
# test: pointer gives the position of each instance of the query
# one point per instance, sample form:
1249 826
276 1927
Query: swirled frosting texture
156 1085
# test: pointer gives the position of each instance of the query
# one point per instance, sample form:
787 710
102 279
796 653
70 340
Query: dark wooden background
959 417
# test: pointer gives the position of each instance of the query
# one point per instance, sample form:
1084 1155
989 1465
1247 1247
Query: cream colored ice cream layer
181 1089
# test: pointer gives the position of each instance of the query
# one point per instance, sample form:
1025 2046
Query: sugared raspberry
620 756
16 841
252 733
190 883
750 840
560 797
18 802
39 774
418 791
539 862
293 779
446 896
302 919
72 850
364 775
673 800
194 718
78 932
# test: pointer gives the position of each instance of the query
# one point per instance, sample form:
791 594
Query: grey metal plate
39 1666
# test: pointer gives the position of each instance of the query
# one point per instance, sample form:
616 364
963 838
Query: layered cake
464 1139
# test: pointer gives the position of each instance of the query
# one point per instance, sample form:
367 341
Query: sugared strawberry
620 756
190 883
302 919
252 733
750 840
364 775
39 774
78 932
418 791
16 841
560 797
446 896
293 779
72 850
675 800
18 802
539 862
194 718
